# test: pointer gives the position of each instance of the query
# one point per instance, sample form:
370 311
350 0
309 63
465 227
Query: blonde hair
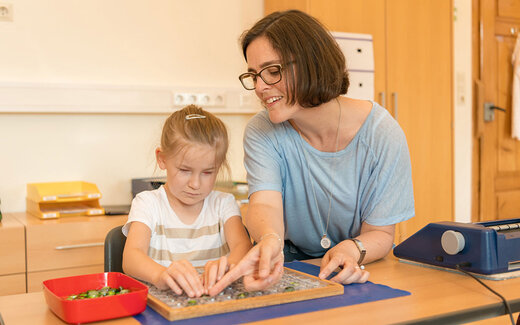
192 125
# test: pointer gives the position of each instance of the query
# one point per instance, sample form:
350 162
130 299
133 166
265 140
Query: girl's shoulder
156 195
221 205
219 196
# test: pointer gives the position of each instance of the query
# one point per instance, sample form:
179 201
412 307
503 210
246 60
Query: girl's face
190 175
261 54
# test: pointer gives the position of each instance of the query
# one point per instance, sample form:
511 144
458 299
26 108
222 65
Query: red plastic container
90 310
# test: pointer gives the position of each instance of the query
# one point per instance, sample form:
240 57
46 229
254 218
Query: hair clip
194 116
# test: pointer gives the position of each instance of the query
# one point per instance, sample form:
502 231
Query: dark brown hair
179 132
307 50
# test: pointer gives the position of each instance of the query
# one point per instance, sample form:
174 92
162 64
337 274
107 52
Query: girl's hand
261 267
181 276
342 256
214 271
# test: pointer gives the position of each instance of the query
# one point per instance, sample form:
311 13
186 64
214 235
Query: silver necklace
325 241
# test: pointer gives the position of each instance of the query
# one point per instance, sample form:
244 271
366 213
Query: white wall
462 109
161 43
152 43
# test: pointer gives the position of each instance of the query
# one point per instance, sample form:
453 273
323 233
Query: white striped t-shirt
171 239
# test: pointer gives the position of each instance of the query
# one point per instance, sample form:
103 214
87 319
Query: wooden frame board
294 286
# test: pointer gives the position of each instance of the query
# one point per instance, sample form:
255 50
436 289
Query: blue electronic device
489 247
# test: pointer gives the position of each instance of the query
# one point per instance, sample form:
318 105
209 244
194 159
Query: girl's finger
212 276
222 267
173 285
188 279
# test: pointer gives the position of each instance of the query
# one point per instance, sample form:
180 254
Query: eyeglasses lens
270 75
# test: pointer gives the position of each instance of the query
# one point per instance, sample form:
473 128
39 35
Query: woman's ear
160 159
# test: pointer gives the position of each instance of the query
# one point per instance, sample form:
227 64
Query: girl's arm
136 261
179 276
239 244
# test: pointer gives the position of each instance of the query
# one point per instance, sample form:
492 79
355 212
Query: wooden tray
294 286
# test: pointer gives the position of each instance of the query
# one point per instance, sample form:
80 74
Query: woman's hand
214 271
261 267
181 276
343 255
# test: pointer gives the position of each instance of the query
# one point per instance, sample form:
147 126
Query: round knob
452 242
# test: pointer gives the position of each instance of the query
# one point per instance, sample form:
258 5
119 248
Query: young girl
185 224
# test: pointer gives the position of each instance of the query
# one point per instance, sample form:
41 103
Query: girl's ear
160 159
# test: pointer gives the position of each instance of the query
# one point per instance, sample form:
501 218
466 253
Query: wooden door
363 17
352 16
419 83
412 46
496 189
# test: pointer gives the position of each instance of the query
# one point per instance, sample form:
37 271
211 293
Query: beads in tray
291 281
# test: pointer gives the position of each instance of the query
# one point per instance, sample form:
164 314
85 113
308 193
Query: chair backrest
114 245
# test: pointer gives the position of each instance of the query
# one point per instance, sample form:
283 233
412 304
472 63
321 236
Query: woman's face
261 54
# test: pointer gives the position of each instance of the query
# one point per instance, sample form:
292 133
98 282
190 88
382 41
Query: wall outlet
6 11
219 100
248 99
203 99
179 99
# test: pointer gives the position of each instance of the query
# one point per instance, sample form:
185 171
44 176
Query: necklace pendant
325 242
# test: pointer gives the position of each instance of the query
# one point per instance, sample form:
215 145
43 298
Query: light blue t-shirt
372 182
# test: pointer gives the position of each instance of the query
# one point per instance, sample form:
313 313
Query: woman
328 174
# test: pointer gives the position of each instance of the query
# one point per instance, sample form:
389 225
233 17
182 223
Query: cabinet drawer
12 246
71 242
35 279
12 284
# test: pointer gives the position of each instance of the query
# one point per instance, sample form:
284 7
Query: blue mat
354 294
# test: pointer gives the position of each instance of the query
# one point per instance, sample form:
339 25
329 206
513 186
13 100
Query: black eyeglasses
271 75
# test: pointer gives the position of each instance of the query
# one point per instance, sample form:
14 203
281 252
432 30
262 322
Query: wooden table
437 297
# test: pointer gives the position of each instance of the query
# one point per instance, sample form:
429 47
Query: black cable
506 304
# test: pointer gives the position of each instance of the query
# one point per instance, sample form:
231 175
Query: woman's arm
239 244
265 216
237 239
377 240
262 266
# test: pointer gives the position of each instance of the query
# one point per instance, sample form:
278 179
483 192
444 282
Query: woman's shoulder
381 123
380 133
260 121
261 131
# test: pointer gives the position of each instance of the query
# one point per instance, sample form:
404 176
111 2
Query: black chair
114 245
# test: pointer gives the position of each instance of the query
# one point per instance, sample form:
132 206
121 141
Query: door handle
382 99
489 111
78 246
396 107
